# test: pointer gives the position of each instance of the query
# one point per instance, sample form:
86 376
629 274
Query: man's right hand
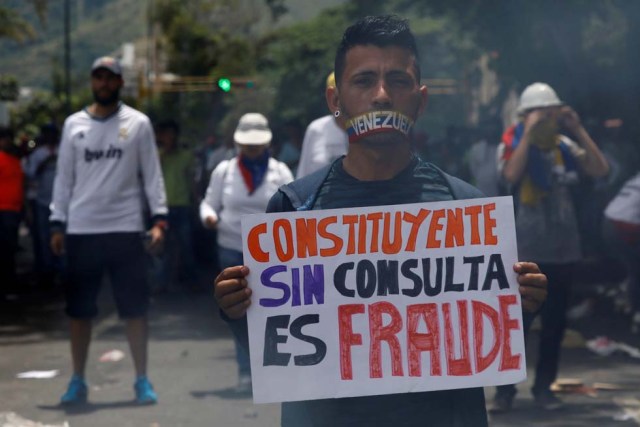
232 292
211 223
533 118
57 243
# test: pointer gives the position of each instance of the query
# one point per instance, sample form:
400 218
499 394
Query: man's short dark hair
380 31
168 124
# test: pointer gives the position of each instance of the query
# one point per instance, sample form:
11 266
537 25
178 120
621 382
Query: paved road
193 368
191 364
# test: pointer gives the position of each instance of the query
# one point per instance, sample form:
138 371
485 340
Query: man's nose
382 98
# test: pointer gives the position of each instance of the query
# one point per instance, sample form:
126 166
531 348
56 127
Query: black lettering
388 278
339 279
366 279
449 286
426 275
321 347
495 271
406 268
271 355
475 262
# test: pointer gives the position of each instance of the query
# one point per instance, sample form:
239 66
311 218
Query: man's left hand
570 119
533 285
156 239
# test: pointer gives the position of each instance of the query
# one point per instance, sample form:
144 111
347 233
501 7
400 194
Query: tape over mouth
378 122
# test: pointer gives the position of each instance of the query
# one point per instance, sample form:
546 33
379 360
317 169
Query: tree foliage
14 26
586 49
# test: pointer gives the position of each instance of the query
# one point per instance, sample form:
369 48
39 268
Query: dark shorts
122 257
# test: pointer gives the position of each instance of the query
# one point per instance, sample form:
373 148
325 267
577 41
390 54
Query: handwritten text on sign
379 300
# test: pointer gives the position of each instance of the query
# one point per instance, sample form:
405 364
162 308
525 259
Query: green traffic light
224 84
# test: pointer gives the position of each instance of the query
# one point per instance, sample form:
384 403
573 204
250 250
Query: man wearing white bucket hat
239 186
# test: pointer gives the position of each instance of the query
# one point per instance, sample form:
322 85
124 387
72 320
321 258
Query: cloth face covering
254 170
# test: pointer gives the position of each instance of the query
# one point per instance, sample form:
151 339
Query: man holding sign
376 293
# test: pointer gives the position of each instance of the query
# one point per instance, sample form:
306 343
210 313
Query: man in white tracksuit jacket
107 165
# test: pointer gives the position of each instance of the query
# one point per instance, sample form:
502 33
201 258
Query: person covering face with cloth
240 186
377 97
540 165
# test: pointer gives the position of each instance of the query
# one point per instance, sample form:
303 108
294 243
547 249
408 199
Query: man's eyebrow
395 73
364 73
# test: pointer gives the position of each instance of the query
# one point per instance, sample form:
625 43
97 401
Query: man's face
378 78
166 138
105 86
252 151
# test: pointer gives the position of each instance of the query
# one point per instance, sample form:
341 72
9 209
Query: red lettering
508 360
461 366
481 310
347 337
384 333
419 342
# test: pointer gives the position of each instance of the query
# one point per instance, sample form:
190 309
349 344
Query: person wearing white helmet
540 165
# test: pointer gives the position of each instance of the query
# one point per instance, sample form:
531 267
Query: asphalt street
192 366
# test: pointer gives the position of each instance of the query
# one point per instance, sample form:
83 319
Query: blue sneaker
144 391
76 392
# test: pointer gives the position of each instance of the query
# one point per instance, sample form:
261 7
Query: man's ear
424 97
333 102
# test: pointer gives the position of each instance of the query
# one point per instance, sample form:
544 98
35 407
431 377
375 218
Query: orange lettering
434 226
489 225
474 212
253 242
415 221
306 237
362 234
351 221
325 234
375 231
284 254
455 228
392 247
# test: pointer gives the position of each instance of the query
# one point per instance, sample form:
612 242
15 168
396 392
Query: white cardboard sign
379 300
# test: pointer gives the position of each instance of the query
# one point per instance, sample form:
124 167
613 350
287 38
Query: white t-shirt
324 141
106 168
625 207
228 198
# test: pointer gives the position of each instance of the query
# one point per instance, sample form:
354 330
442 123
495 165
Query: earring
336 113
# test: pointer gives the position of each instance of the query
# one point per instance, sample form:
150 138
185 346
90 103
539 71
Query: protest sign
379 300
